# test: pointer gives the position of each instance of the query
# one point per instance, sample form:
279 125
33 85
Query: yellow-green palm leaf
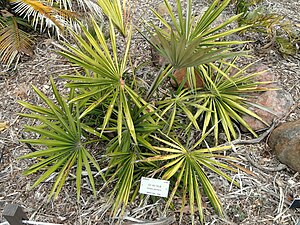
188 167
62 139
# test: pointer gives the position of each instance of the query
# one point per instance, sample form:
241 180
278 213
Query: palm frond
187 168
62 136
228 97
13 42
186 43
38 13
117 13
188 32
182 103
106 87
55 14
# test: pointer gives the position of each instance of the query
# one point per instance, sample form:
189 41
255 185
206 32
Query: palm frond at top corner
54 14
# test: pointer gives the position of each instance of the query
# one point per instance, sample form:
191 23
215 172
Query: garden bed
263 197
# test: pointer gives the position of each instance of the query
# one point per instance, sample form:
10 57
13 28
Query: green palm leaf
108 87
117 13
227 96
187 166
186 43
182 103
61 136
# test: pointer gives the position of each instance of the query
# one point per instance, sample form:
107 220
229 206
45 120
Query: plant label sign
155 187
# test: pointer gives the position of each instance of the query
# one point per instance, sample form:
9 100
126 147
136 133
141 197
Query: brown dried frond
49 12
13 42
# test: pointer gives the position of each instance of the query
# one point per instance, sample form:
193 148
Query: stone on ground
277 102
285 141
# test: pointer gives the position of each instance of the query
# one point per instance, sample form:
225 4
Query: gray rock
285 141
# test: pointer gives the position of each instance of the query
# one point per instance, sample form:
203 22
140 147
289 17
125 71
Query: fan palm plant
103 99
187 42
227 96
125 169
61 140
105 85
187 166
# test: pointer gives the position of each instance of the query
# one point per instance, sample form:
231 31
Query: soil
264 195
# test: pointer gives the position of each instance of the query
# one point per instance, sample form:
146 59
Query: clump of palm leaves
105 87
143 135
188 42
61 133
227 95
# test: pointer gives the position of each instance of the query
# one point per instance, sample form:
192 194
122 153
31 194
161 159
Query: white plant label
155 187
